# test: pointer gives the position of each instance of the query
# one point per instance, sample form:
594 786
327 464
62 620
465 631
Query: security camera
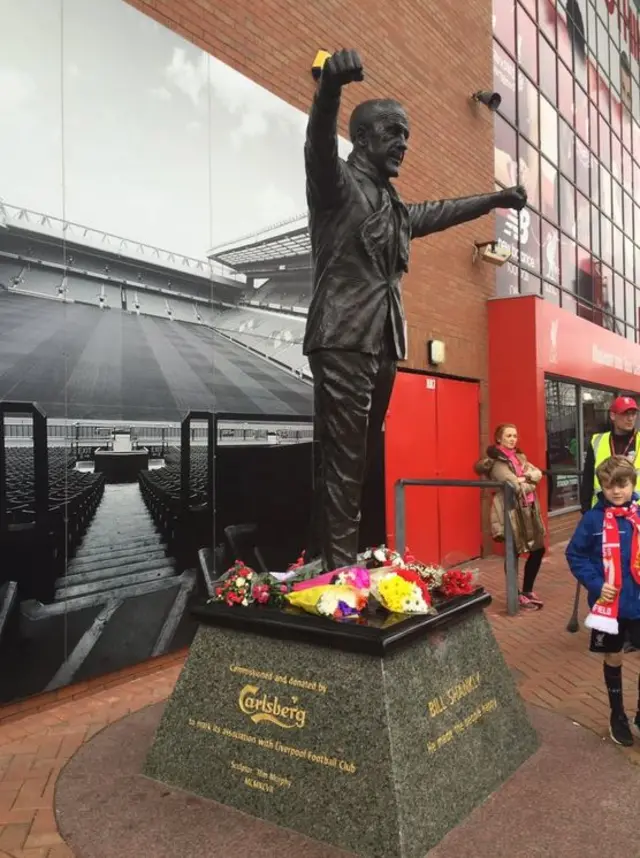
492 100
491 252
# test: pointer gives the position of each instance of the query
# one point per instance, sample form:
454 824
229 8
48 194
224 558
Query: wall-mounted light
435 352
492 100
318 64
491 252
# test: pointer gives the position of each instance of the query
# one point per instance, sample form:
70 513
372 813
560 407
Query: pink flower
261 593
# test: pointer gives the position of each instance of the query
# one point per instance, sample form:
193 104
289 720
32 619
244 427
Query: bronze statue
360 232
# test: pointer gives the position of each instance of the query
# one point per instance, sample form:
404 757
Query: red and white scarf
604 615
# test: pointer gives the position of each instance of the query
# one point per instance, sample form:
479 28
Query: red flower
408 559
299 562
414 578
261 593
455 582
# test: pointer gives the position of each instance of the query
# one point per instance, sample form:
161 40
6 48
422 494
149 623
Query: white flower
245 602
415 604
328 604
240 581
380 555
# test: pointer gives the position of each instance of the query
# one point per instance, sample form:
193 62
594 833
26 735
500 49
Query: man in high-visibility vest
622 440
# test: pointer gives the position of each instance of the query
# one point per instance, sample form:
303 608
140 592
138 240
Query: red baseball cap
622 404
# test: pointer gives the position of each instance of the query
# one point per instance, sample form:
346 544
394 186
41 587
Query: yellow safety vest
601 444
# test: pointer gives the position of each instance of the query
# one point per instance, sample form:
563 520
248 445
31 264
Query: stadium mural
154 281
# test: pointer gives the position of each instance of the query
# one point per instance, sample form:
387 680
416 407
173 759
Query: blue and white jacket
584 556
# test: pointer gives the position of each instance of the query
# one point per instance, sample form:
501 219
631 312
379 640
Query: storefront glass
562 419
568 74
574 413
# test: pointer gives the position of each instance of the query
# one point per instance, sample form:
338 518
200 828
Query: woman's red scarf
604 615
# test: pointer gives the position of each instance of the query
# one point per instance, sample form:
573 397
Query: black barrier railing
185 455
40 462
510 556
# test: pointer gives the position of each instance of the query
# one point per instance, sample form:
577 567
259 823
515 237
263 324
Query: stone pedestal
377 738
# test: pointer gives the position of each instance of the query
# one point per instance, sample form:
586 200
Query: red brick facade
431 57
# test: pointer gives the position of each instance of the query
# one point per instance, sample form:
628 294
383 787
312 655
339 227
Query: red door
432 431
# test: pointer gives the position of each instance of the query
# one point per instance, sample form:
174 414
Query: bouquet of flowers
357 577
241 585
235 586
402 591
399 583
337 601
380 557
457 582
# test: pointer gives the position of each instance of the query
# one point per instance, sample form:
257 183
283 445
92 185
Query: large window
568 130
574 413
563 447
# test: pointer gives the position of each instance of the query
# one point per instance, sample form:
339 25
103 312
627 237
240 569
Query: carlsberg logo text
261 707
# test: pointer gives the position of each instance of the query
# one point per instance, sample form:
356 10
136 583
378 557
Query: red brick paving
553 668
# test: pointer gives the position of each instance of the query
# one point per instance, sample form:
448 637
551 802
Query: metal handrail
40 462
185 455
510 559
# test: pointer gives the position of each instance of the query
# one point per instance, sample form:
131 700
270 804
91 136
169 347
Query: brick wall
431 56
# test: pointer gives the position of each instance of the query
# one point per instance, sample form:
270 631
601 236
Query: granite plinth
378 752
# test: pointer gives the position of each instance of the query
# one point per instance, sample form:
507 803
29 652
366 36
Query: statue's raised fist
514 198
342 68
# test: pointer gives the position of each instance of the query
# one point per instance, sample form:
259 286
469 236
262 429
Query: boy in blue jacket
604 556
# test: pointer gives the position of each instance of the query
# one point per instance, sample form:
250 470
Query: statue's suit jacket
360 232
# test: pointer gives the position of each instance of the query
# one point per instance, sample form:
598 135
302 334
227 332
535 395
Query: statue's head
379 131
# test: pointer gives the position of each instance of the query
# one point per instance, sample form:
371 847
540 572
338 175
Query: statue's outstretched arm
437 215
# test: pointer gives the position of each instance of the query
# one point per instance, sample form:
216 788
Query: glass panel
529 252
605 143
548 130
595 414
606 240
628 259
561 414
504 81
550 240
528 109
618 297
549 190
565 93
504 152
567 207
504 27
583 220
548 76
630 310
618 250
547 17
567 264
605 191
581 108
529 172
527 44
595 231
567 150
507 276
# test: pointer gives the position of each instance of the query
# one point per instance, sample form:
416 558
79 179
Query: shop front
554 375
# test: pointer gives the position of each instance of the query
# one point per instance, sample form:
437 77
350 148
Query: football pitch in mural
154 283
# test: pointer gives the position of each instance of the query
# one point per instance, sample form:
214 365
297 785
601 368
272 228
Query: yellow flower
394 592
